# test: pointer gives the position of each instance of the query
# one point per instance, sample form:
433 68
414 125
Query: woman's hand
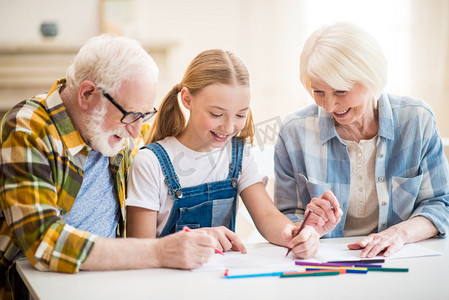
326 213
392 239
383 243
305 244
226 239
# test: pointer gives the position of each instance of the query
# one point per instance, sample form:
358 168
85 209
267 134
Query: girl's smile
220 137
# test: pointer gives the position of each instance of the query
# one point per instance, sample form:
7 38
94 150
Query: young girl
191 174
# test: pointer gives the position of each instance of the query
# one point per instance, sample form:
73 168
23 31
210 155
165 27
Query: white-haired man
64 162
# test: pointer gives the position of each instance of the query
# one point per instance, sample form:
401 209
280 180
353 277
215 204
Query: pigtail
170 120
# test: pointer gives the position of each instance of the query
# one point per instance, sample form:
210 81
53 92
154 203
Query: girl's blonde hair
208 67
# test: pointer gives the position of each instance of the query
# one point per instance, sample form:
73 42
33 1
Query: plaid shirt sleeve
36 179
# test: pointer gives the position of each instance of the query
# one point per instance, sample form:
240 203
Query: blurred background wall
266 34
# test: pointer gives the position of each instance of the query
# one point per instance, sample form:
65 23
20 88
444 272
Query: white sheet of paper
266 257
340 251
262 256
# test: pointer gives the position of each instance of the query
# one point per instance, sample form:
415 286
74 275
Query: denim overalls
206 205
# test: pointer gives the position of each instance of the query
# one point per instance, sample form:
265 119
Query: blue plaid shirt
411 170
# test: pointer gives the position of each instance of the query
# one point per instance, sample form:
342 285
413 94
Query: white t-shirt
147 188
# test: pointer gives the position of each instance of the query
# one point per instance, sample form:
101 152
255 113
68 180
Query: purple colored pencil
305 263
367 266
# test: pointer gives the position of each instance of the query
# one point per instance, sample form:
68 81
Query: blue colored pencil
253 275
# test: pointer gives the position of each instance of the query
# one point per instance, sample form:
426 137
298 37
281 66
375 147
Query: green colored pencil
388 269
304 274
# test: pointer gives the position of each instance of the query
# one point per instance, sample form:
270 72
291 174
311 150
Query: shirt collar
327 126
386 125
63 123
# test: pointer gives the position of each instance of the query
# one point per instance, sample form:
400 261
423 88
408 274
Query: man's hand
185 250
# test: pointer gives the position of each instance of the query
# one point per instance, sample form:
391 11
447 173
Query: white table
428 278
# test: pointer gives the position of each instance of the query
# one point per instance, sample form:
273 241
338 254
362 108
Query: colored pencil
361 261
388 269
337 268
342 271
305 274
306 263
187 229
348 270
303 224
253 275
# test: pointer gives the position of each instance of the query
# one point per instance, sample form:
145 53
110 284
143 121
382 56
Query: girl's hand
305 244
326 213
226 239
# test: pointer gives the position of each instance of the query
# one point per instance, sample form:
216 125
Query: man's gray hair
108 61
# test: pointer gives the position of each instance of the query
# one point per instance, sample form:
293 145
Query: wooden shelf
30 69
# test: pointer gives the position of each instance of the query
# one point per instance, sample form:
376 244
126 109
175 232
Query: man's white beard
99 139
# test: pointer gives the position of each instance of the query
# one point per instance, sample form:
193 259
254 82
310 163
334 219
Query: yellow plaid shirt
42 166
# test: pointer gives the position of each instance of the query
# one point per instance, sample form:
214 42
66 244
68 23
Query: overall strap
171 179
235 167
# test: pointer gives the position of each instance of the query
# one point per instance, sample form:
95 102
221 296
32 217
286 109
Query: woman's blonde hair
341 55
208 67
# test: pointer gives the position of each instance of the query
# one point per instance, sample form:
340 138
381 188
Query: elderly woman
365 162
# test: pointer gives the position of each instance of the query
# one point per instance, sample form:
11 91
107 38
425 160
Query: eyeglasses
129 116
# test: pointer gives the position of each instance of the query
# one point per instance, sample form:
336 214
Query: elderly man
64 162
